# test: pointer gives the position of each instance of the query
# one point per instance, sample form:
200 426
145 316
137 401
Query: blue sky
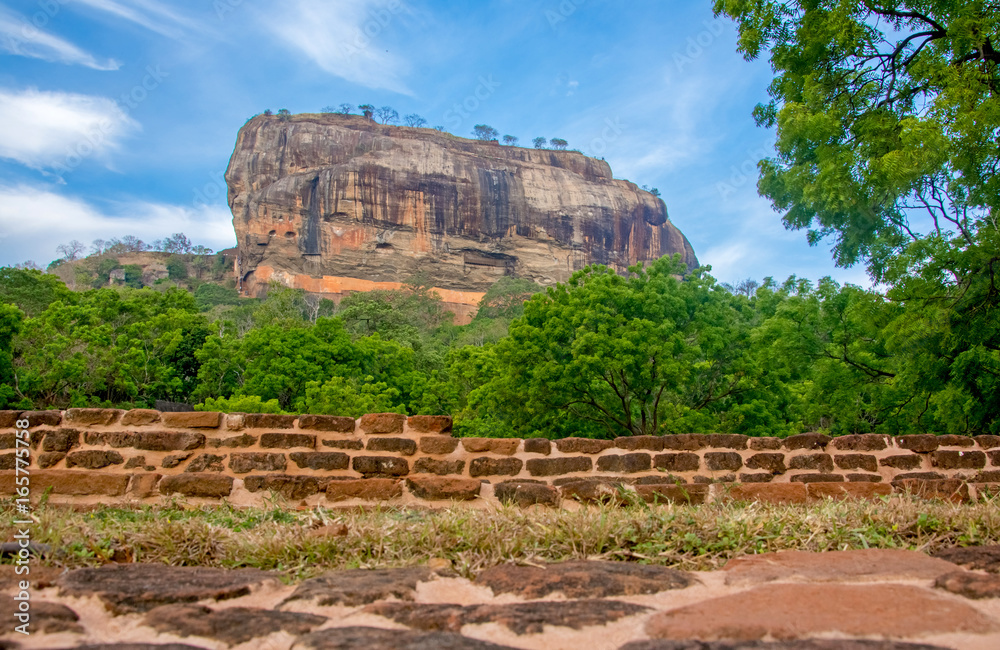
118 116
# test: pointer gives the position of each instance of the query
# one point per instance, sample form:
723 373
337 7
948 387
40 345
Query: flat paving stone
835 566
585 579
128 588
787 612
374 638
231 625
970 585
984 558
362 586
804 644
520 618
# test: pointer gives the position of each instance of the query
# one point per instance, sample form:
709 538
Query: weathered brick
774 463
765 444
337 423
8 461
8 440
47 460
556 466
70 482
538 446
438 444
439 467
429 423
866 462
438 488
955 490
322 460
147 440
368 489
343 443
403 446
139 417
583 445
94 459
193 419
818 478
864 478
42 418
206 463
524 494
989 476
949 459
624 463
235 421
726 440
708 480
904 461
952 440
818 491
681 462
287 440
756 477
141 486
684 442
632 443
486 466
994 458
173 460
380 466
376 423
821 462
135 461
723 460
268 421
233 442
921 443
211 486
665 493
922 476
61 440
241 463
766 492
859 442
89 417
290 487
9 418
501 446
987 442
806 441
592 489
657 479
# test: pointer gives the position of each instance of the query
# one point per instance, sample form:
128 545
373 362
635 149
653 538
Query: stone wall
88 456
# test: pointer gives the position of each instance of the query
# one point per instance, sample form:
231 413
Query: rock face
333 203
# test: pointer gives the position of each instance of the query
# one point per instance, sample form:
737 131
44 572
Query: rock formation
334 203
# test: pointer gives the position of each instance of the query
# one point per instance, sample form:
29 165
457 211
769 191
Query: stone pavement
847 600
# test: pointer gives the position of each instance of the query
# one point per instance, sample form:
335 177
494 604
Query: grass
687 537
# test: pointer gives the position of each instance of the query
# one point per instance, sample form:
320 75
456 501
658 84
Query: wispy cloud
42 129
20 37
30 215
149 14
343 38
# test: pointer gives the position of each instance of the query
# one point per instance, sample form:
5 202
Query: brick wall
112 456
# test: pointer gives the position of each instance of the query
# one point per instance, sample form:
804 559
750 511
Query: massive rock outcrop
333 203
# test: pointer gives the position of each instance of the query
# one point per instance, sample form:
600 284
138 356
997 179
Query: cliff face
332 203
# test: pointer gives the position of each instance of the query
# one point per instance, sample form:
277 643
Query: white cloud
34 220
344 38
148 14
20 37
57 130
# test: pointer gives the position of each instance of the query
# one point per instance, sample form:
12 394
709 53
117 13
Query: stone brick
774 463
437 488
955 490
717 461
321 460
682 462
206 463
821 462
70 482
501 446
287 440
139 417
290 487
233 442
970 585
866 462
42 418
343 443
992 476
632 443
765 444
141 486
855 490
590 579
987 442
380 466
806 441
368 489
211 486
658 479
709 480
583 445
859 442
756 478
173 460
403 446
921 443
8 419
949 459
524 493
93 459
439 467
438 444
135 461
8 440
556 466
766 492
429 423
726 440
864 478
923 476
235 421
8 461
338 423
684 442
486 466
904 461
538 446
193 419
241 463
376 423
952 440
624 463
49 459
268 421
147 440
817 478
89 417
592 490
61 440
664 493
994 458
